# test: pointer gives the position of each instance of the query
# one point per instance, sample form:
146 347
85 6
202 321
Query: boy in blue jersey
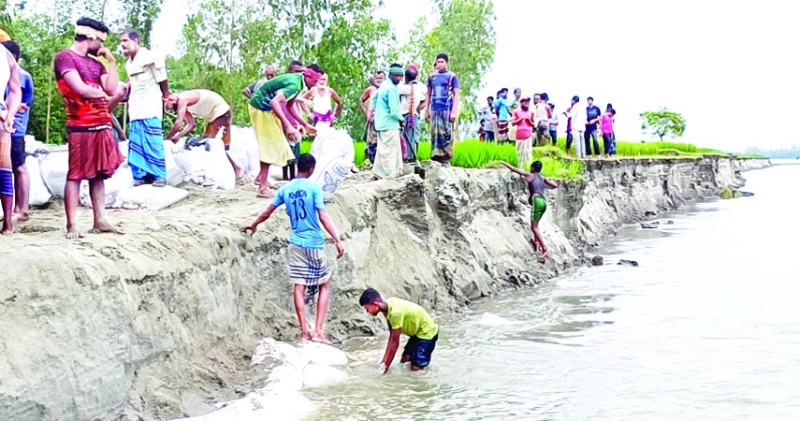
308 269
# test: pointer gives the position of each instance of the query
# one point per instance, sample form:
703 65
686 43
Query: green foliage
663 124
141 14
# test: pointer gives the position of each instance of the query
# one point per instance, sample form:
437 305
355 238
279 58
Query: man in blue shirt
443 108
592 118
308 269
503 110
22 181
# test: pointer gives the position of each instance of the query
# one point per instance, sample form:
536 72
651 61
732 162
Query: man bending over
209 106
409 319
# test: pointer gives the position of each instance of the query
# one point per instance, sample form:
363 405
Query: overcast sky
724 65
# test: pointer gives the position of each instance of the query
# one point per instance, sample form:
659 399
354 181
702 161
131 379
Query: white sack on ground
206 164
244 150
151 198
38 195
334 153
318 375
323 354
122 180
285 405
174 173
54 166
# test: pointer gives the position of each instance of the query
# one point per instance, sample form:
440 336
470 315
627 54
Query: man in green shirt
409 319
275 118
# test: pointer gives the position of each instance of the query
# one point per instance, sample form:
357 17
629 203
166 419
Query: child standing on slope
536 187
409 319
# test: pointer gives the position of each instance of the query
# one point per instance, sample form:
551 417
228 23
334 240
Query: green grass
556 162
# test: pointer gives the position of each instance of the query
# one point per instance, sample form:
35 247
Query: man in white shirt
541 119
147 73
577 116
413 94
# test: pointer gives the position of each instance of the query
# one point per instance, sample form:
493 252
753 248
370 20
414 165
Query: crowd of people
282 108
505 119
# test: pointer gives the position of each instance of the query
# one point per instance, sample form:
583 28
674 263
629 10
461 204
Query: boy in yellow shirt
409 319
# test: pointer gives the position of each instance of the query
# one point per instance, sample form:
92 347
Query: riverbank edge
161 327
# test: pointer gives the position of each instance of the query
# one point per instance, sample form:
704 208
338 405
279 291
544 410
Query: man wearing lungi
86 85
308 269
149 90
443 108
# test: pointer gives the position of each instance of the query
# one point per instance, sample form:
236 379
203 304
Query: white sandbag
318 375
54 166
151 198
334 152
38 194
193 162
220 169
284 377
286 405
207 166
323 354
124 146
244 150
269 348
175 174
122 180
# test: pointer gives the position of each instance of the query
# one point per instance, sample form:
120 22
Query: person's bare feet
8 228
321 338
239 173
73 234
104 227
266 193
544 256
306 336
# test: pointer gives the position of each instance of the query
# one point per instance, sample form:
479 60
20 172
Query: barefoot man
275 118
86 85
536 186
365 104
308 269
22 181
9 106
209 106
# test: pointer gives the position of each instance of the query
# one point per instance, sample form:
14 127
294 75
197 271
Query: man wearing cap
386 104
275 118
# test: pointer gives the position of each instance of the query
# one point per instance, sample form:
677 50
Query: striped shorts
308 266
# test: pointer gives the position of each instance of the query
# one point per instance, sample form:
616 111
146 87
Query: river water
706 328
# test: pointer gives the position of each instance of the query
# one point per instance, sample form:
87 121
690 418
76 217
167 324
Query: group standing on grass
499 123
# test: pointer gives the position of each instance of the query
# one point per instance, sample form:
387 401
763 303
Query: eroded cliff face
161 322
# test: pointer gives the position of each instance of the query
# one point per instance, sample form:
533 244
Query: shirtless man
536 187
365 104
209 106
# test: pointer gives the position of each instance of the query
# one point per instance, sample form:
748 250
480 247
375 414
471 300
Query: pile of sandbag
48 167
204 161
334 152
243 151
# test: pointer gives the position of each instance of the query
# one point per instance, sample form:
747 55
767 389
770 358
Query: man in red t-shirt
86 87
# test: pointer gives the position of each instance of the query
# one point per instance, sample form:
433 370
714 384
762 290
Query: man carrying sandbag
209 106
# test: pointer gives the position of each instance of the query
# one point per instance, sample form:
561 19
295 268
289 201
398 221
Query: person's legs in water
411 344
98 196
22 181
322 310
539 207
421 352
300 309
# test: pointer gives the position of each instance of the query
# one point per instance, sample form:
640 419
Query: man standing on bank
86 86
443 108
149 89
308 269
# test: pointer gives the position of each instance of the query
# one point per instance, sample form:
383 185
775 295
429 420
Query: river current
707 327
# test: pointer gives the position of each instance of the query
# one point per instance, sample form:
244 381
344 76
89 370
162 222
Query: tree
465 31
663 123
141 14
